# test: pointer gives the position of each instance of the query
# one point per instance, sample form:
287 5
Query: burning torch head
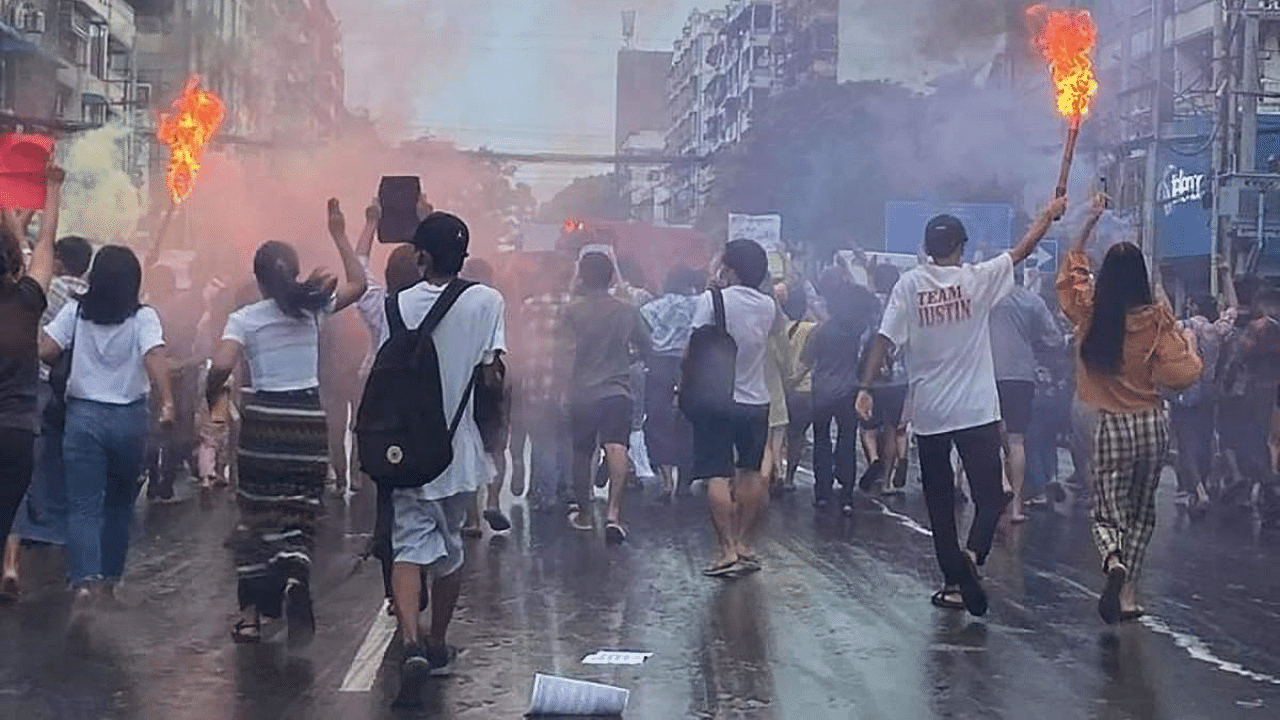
943 236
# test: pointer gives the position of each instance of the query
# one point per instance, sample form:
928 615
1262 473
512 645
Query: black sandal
1131 615
940 600
724 569
247 633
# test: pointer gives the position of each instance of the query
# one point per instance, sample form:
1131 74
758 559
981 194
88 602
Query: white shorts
429 532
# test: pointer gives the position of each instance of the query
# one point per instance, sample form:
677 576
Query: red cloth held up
23 160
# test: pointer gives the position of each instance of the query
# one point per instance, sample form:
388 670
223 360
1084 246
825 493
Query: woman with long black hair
117 357
1130 348
283 453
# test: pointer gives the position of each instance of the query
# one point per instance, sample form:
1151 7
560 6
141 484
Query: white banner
764 229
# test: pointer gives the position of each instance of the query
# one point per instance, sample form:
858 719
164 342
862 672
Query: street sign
1045 258
990 226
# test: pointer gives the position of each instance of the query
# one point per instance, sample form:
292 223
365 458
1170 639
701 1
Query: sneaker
440 660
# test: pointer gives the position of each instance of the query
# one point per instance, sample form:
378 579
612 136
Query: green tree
597 197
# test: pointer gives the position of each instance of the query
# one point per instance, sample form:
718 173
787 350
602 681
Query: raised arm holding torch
1067 39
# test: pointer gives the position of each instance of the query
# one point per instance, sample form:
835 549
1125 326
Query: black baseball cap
446 238
943 235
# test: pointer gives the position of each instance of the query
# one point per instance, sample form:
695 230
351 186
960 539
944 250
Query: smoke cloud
100 201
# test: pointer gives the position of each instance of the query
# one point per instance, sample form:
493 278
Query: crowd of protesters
111 378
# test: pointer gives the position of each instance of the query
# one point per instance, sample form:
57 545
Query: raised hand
337 222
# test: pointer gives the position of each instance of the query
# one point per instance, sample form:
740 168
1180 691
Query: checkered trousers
1129 455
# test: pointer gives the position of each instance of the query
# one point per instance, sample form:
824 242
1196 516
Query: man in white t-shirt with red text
939 312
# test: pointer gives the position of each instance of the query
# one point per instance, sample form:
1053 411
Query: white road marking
364 667
1199 650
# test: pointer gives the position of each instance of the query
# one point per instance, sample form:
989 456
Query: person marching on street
1130 348
939 313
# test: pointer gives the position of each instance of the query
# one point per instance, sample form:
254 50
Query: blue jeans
1050 416
43 514
103 452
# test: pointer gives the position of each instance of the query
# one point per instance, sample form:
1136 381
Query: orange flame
186 132
1067 39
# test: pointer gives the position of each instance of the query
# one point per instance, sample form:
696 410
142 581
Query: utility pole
1219 130
1151 193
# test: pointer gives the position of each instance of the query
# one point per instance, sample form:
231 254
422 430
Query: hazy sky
508 74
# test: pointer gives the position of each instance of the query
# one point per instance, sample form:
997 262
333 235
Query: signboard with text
764 229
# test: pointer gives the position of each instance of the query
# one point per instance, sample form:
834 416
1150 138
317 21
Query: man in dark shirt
605 331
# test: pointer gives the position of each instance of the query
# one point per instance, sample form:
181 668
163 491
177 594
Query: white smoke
99 200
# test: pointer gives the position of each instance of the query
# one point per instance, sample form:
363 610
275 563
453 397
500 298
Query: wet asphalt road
838 625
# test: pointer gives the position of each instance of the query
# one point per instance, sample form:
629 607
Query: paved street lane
838 625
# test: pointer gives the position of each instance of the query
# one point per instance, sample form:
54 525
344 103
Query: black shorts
606 421
721 445
886 410
1016 397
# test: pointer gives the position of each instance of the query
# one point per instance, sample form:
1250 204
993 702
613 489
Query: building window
97 50
94 111
763 16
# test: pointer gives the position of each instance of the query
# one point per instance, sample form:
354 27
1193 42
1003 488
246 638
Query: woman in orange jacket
1130 348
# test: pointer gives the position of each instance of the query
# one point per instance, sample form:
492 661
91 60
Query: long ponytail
275 265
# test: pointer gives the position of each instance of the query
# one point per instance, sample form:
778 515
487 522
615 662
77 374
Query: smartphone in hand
398 195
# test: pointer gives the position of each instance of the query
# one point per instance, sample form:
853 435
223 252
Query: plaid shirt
61 288
544 349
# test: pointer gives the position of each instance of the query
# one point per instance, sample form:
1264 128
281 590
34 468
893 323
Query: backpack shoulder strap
466 400
446 300
395 321
717 302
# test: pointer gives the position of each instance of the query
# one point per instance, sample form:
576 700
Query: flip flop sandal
1109 602
497 521
975 597
615 534
748 564
723 570
247 633
1131 615
945 599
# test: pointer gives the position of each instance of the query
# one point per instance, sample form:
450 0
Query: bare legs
1015 468
737 511
406 587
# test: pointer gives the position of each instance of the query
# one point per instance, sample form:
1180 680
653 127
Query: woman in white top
117 356
283 453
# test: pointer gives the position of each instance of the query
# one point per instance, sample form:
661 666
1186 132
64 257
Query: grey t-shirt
1020 324
605 331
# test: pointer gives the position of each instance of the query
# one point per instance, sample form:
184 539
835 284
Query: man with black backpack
724 394
417 430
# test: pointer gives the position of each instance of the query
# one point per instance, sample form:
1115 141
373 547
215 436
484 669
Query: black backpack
709 368
402 434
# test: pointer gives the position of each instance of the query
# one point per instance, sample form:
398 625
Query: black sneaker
440 660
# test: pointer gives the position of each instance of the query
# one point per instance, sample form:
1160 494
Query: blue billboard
990 226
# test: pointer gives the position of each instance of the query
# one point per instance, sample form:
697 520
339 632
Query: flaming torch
1067 39
198 115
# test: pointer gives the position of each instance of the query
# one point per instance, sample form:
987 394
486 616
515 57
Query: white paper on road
562 696
616 657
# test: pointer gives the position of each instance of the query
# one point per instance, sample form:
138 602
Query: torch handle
1068 155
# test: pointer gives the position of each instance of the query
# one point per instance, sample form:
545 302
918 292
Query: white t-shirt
106 364
283 351
372 308
469 335
940 315
749 316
